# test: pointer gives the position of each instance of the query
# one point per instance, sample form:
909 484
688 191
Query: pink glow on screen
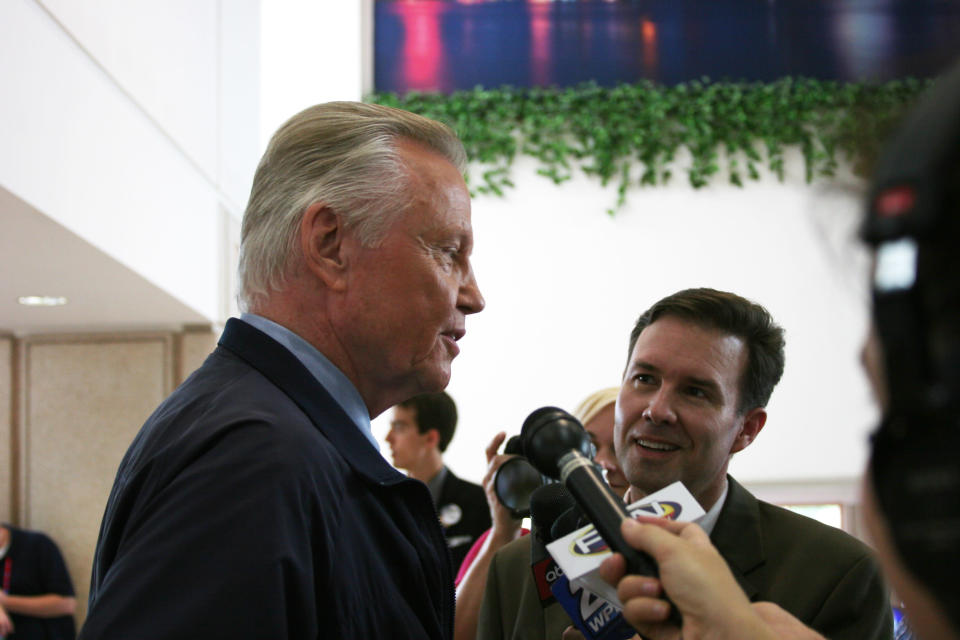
423 66
540 29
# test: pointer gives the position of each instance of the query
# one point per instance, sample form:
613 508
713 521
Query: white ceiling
38 256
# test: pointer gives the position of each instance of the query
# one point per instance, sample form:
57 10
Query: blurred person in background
420 431
37 601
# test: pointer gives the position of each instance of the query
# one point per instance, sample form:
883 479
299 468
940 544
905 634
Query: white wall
564 283
133 125
313 52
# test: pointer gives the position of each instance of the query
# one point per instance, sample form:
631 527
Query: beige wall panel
85 399
195 346
6 429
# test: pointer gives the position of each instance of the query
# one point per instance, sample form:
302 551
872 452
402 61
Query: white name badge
450 514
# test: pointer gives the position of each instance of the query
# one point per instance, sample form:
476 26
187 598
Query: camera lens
515 480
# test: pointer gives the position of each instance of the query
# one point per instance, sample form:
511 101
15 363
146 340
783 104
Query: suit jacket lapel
738 537
283 369
447 494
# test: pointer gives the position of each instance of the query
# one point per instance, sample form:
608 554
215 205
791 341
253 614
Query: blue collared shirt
326 373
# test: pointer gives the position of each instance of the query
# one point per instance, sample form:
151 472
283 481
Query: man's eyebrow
706 383
703 382
646 366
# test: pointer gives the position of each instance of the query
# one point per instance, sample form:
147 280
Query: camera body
913 224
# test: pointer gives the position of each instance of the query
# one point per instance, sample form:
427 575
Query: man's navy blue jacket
250 506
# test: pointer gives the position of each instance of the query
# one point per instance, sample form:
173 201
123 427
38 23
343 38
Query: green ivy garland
632 133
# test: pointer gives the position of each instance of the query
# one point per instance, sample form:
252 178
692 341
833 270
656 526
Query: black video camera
913 224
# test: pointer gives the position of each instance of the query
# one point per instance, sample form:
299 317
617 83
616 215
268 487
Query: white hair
343 154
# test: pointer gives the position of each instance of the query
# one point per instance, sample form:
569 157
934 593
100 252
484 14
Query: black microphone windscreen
568 522
546 505
548 433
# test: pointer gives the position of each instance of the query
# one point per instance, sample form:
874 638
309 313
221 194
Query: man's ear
752 424
322 246
433 437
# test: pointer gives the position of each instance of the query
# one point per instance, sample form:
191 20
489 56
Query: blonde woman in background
595 413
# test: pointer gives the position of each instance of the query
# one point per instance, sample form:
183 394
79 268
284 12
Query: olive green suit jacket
824 577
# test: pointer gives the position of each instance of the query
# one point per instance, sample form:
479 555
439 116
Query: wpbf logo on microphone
590 542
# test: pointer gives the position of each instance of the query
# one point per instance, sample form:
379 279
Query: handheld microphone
568 522
558 445
546 505
593 616
554 514
596 618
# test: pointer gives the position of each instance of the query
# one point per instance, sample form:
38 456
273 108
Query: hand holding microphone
700 585
556 443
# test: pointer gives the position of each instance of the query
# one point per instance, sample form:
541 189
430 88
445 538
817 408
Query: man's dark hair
434 411
736 316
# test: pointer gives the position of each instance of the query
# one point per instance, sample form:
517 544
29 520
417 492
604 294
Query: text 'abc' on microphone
558 446
547 505
554 514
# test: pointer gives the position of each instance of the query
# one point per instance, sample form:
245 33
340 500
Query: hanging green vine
632 133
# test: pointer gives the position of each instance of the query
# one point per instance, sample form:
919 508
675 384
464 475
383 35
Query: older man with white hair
254 502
